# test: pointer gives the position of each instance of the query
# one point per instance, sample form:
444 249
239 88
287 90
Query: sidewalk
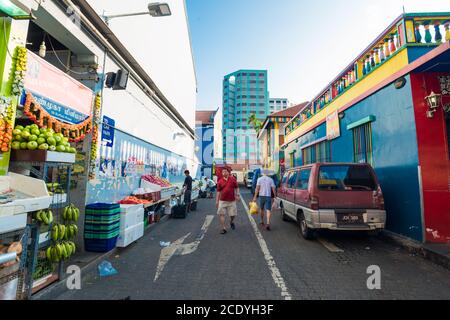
87 261
435 252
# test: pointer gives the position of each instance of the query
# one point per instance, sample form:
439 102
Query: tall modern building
244 93
276 104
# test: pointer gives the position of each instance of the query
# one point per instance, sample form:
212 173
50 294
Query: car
334 196
248 179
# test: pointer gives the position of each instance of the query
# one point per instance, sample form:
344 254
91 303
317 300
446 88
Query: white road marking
178 248
330 246
276 275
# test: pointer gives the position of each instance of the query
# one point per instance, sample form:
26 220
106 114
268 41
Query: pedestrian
209 187
227 194
265 190
187 189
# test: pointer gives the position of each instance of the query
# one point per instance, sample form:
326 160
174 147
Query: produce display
62 235
55 188
64 232
6 123
13 247
156 180
32 137
45 216
71 213
60 251
133 200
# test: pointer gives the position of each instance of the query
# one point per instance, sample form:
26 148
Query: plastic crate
103 206
101 235
102 227
97 245
93 219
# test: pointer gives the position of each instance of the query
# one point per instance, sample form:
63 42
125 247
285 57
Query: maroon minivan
336 196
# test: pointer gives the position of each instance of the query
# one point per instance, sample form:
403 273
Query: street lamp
155 9
15 9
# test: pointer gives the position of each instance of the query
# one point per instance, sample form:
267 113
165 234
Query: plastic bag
106 269
254 209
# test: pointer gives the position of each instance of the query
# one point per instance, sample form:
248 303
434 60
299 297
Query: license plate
350 218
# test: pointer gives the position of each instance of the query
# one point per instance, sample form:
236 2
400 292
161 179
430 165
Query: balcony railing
407 30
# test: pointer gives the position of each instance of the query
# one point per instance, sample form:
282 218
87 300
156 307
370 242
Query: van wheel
305 231
284 216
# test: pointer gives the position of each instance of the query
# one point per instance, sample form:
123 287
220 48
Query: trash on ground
164 244
367 248
106 269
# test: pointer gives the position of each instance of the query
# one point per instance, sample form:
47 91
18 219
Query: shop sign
60 95
333 129
108 125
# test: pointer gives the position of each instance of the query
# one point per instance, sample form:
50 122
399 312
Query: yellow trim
393 65
410 31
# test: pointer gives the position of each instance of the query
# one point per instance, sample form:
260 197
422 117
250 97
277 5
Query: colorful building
390 108
271 137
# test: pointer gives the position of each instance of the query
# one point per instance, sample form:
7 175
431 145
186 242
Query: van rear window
346 178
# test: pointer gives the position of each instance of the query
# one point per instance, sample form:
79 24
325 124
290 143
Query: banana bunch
60 251
71 213
45 216
58 232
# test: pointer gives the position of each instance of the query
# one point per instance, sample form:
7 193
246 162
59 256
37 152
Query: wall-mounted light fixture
341 115
434 101
42 50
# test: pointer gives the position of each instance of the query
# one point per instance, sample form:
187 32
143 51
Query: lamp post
155 9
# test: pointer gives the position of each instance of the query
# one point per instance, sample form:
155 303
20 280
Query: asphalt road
252 263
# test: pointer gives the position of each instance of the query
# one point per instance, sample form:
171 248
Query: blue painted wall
395 153
205 144
416 52
119 179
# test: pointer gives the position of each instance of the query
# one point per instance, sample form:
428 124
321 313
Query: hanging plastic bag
254 209
106 269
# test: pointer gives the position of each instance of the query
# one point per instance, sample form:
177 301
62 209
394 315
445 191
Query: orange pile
5 135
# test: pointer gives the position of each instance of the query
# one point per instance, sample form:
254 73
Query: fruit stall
43 115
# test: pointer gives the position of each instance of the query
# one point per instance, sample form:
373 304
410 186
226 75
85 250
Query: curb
415 247
58 288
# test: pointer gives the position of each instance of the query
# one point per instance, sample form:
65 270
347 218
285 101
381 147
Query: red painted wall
433 158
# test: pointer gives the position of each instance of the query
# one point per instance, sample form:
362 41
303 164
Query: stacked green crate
101 226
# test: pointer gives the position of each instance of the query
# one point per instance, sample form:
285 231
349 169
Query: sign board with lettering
60 95
333 129
108 131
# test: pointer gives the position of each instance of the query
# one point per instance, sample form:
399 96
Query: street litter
367 248
106 269
164 244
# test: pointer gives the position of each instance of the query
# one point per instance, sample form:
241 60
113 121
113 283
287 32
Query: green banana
55 255
38 215
65 213
49 216
68 248
74 247
59 251
69 213
75 230
44 218
48 253
62 231
64 254
55 232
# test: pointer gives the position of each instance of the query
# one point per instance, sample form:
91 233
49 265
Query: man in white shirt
265 187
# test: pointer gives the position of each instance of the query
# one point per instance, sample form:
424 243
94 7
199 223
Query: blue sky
302 44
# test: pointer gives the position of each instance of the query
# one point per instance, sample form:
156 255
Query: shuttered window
362 144
319 152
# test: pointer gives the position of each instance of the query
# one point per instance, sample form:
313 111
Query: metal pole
107 18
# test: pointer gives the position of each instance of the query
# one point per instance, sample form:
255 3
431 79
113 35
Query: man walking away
227 194
187 188
265 188
210 184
